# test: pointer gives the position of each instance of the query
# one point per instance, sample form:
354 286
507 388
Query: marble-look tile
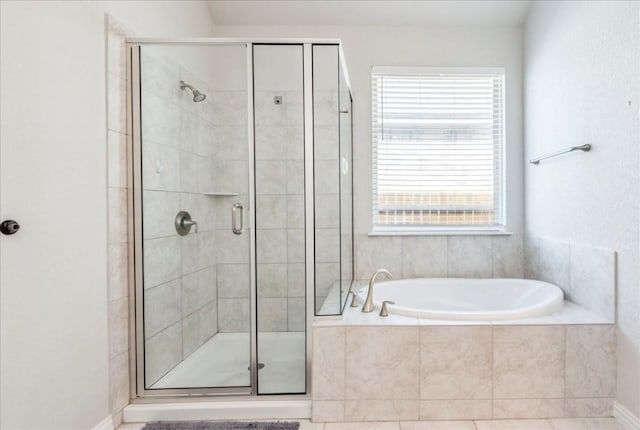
455 362
593 279
591 361
528 362
267 113
230 177
160 167
295 143
198 288
271 177
296 314
227 143
116 103
325 107
469 256
295 250
233 281
508 256
327 210
329 358
233 315
382 357
198 250
532 253
437 425
272 280
295 177
116 49
161 307
271 246
161 121
553 262
373 253
586 424
327 245
424 257
236 247
159 212
296 282
528 408
294 109
119 382
514 425
381 410
161 260
234 103
325 142
199 327
117 159
162 352
328 411
327 176
118 326
295 211
118 271
118 215
271 142
271 211
272 314
308 425
363 426
455 409
203 210
578 408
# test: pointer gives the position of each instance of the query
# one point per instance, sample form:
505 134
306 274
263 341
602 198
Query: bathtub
467 299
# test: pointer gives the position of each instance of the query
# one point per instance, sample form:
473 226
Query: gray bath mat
226 425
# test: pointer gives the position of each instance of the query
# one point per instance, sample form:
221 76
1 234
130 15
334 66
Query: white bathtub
467 299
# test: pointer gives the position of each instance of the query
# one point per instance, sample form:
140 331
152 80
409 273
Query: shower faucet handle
183 223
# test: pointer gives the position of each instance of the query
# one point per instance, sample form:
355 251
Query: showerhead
197 95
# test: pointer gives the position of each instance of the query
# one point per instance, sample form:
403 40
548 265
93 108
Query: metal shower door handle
237 218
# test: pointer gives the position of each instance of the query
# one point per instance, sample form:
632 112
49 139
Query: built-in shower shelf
219 194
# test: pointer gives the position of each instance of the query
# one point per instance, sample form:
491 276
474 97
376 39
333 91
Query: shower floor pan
223 361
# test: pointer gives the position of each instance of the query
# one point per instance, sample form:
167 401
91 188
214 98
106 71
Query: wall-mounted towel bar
585 148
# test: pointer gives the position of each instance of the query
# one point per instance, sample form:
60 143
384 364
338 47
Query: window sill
442 233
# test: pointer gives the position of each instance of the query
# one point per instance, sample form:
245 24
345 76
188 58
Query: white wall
54 294
582 70
401 46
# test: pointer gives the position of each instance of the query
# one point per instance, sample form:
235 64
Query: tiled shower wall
118 240
184 144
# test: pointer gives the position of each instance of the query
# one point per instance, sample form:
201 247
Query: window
438 147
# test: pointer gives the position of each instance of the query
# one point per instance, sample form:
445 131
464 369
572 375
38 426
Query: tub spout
368 304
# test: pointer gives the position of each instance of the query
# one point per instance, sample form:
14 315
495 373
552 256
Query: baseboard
625 418
105 424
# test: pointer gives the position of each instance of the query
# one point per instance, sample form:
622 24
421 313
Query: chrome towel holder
585 148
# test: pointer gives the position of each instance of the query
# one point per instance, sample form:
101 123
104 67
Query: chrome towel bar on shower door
585 148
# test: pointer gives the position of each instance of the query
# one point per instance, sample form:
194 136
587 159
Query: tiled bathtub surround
587 275
449 370
440 256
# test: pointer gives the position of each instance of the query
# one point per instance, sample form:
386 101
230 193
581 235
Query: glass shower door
194 236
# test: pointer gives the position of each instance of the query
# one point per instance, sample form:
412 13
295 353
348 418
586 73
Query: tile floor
552 424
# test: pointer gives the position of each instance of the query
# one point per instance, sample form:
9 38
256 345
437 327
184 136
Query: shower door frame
138 391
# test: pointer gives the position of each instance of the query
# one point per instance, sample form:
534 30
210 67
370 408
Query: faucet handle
383 310
353 304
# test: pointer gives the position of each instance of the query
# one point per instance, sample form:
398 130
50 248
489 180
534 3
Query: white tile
295 280
271 177
327 174
271 246
514 425
161 260
296 314
554 262
160 167
233 281
592 281
424 257
198 289
469 256
226 143
199 327
456 362
233 315
236 247
295 211
382 357
295 177
272 314
327 245
272 280
202 210
591 361
528 362
162 352
271 211
295 251
508 256
327 210
198 251
161 307
326 142
159 210
271 142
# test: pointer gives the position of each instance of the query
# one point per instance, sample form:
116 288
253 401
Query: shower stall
242 211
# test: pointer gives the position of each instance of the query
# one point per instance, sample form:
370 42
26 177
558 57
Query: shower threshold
223 361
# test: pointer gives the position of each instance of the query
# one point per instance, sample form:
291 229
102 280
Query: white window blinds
438 146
